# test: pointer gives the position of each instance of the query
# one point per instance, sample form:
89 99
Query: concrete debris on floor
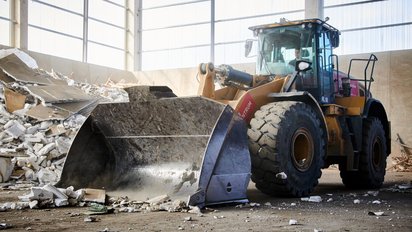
40 113
98 202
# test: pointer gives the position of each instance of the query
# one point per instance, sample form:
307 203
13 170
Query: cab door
325 69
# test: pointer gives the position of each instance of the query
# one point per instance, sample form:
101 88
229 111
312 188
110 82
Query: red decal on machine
247 108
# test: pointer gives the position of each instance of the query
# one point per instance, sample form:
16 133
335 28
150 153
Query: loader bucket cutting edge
188 148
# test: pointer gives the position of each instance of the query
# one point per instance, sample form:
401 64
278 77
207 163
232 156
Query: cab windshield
279 48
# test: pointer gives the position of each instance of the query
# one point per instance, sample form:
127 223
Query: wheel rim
302 149
377 153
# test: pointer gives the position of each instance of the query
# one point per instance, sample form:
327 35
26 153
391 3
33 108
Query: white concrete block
36 138
4 112
7 139
53 154
158 200
63 145
33 204
55 191
45 125
61 202
37 147
6 168
16 129
9 124
46 149
29 173
37 193
47 176
79 194
32 129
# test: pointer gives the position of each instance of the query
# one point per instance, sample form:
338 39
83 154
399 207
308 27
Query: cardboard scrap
14 100
95 195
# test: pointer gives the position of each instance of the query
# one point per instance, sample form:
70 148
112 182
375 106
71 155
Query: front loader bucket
183 147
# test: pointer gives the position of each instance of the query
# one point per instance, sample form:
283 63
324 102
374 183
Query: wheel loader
279 127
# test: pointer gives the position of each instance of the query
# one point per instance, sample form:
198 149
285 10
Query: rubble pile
403 163
40 113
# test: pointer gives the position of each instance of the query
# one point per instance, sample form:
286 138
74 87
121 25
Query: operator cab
280 45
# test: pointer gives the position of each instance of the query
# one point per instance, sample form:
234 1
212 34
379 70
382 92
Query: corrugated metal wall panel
371 26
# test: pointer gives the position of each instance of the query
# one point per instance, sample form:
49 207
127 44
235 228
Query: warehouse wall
392 86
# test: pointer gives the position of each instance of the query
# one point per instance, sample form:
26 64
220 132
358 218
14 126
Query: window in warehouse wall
5 22
371 26
106 33
55 27
229 47
234 17
184 28
179 38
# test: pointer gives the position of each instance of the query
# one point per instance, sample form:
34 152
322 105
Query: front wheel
287 147
372 163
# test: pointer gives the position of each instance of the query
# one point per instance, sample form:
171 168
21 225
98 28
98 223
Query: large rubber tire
287 147
372 163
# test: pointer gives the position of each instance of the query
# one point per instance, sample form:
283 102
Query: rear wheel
287 147
372 163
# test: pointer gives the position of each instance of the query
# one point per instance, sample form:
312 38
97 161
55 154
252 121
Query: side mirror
302 65
334 38
248 47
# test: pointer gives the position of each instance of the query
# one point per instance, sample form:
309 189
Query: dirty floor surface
337 212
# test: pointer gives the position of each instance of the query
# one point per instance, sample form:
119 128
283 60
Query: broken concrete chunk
373 193
55 191
53 154
45 125
47 176
316 199
37 147
63 145
195 210
55 130
36 138
90 219
32 129
6 168
79 194
293 222
376 213
61 202
158 200
281 176
405 186
356 201
29 173
4 112
37 193
33 204
15 129
22 56
46 149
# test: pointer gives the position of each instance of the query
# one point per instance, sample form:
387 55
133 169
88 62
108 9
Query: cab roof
283 22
